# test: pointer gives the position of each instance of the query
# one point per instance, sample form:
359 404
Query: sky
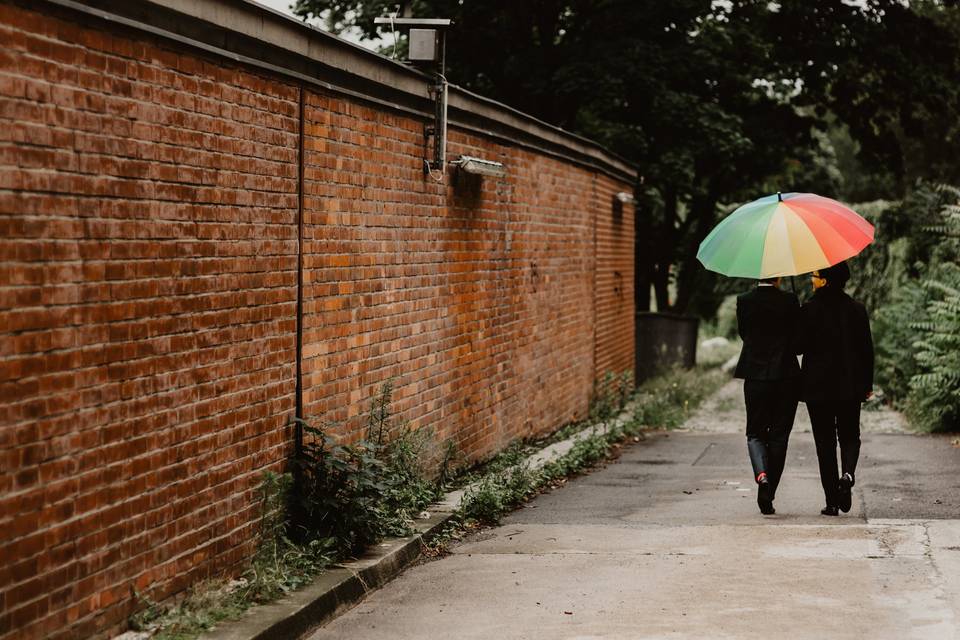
284 7
279 5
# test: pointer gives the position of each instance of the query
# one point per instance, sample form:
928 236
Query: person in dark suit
837 376
767 320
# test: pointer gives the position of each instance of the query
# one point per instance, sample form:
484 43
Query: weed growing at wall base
668 400
357 494
278 567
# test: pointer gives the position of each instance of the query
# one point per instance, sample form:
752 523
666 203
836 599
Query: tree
888 70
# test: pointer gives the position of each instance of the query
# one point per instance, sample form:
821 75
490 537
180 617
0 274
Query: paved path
668 543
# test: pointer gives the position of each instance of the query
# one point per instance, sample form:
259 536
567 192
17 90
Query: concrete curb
335 590
345 585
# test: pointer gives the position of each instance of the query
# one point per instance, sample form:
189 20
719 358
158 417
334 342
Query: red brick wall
148 285
614 278
147 305
475 298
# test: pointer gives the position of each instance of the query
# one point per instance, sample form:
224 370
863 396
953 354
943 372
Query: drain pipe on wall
298 443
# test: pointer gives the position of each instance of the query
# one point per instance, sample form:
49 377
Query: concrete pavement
668 543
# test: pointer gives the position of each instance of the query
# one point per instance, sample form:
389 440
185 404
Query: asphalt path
667 542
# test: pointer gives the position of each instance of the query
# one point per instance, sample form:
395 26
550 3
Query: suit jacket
837 348
767 321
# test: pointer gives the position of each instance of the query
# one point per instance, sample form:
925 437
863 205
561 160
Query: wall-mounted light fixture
480 167
619 200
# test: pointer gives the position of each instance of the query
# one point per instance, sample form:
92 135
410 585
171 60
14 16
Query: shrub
339 491
357 494
889 278
893 338
407 489
610 395
280 565
934 398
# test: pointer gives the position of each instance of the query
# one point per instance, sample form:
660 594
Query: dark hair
837 275
769 280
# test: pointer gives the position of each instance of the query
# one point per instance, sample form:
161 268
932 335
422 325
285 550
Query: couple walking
832 332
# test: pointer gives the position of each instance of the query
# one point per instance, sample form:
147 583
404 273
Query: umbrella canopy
784 235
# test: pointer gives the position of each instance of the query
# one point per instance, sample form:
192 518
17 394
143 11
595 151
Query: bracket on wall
428 48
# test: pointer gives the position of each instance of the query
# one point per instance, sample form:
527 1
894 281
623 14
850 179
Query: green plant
378 418
447 468
338 491
893 338
439 544
357 494
610 394
204 606
915 239
280 565
584 453
669 399
497 493
406 488
934 399
148 616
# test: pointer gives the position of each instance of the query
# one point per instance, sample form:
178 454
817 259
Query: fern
934 398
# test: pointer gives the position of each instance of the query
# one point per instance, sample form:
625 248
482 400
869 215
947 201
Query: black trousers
833 422
771 408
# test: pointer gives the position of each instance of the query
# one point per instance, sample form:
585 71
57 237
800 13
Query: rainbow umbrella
784 235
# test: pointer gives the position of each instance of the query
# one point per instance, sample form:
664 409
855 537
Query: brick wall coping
247 32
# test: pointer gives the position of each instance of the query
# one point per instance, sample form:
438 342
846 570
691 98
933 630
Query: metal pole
440 128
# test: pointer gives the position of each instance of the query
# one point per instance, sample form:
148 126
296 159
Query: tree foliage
909 279
888 70
935 387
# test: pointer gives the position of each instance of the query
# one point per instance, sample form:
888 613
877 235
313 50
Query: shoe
764 496
829 510
843 492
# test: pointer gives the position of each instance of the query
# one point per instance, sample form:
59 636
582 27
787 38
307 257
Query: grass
668 400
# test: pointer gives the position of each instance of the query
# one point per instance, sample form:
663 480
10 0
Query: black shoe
765 497
843 492
829 510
